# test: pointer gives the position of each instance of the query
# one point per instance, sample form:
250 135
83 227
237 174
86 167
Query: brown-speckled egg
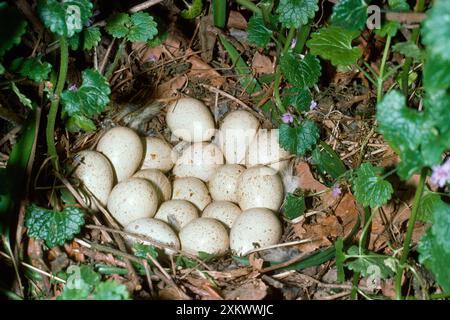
223 184
193 190
177 213
158 154
224 211
159 181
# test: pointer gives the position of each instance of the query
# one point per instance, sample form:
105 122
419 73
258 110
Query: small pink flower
73 87
287 117
336 191
313 105
293 43
441 174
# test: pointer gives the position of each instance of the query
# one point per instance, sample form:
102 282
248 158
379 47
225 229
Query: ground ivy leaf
65 18
350 14
13 27
335 44
434 246
258 33
79 121
139 27
299 98
388 28
294 206
295 13
300 139
370 189
370 264
409 50
143 250
436 30
91 98
54 227
399 5
111 290
436 73
429 203
300 72
32 68
92 37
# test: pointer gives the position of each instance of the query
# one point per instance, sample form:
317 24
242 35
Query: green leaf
340 259
246 79
327 161
335 44
399 5
185 262
258 33
434 246
436 30
436 73
418 137
350 14
409 50
205 256
370 189
193 10
429 203
79 121
90 99
22 98
139 27
300 99
80 282
294 206
371 264
300 139
295 13
53 227
111 290
300 72
92 37
143 250
32 68
13 26
65 18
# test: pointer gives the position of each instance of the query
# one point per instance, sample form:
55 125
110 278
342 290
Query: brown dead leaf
262 64
319 232
256 263
171 293
147 54
252 290
347 212
201 70
306 181
169 88
236 20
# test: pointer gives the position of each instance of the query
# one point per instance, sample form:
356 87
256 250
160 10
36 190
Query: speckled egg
123 148
159 181
154 229
205 235
237 131
260 187
266 150
224 211
96 174
199 160
133 199
190 120
254 228
223 183
177 213
193 190
158 154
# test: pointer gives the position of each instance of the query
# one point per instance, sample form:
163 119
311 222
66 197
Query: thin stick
292 243
144 5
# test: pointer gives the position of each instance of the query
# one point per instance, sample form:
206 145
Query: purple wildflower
293 43
336 191
287 117
73 87
441 174
313 105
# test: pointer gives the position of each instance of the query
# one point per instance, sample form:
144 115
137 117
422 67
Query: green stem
382 67
368 215
249 5
276 89
51 119
116 60
409 233
302 36
219 9
420 6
